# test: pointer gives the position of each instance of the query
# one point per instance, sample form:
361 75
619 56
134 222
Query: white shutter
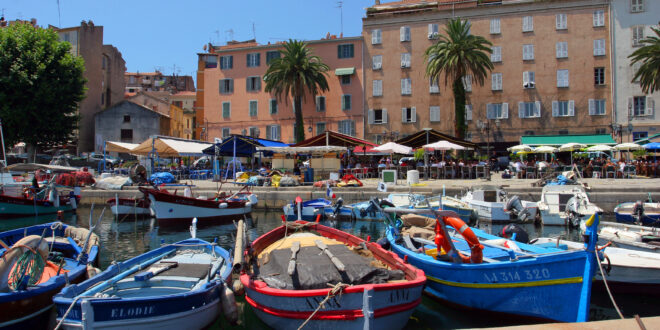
467 83
468 112
521 110
402 33
537 109
571 108
414 115
650 106
434 113
495 26
384 111
631 111
592 107
555 108
558 50
525 78
370 116
403 114
505 110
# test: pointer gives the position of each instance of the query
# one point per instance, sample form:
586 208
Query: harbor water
122 239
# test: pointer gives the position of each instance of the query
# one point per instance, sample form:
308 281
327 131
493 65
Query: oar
295 247
91 231
335 261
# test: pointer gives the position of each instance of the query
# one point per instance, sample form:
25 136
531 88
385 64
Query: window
226 109
496 55
495 26
528 52
640 135
254 108
496 82
562 49
210 61
562 78
563 108
253 84
563 132
253 132
378 88
273 132
642 106
636 6
467 83
528 24
560 22
497 110
529 109
377 116
226 62
599 47
468 112
345 51
529 79
127 118
405 60
346 127
272 105
253 60
637 35
599 76
433 31
320 128
406 86
376 36
226 86
126 134
528 133
320 103
377 62
102 98
599 18
433 86
271 55
601 131
596 107
404 33
346 102
408 115
346 79
434 113
131 80
226 132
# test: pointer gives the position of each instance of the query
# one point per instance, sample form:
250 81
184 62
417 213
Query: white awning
171 147
320 150
112 146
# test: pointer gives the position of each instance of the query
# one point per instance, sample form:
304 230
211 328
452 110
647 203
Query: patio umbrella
519 148
544 150
628 146
393 148
443 145
599 147
655 146
571 147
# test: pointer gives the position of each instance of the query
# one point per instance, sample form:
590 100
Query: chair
530 172
629 171
465 172
480 171
448 171
610 170
597 172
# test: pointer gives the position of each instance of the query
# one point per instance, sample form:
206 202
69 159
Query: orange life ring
443 242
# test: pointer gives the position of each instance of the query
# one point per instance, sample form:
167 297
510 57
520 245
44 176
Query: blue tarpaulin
161 177
245 146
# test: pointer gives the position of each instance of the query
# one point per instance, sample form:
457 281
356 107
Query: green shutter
226 110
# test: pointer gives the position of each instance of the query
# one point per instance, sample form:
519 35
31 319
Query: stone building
231 97
130 122
157 81
551 76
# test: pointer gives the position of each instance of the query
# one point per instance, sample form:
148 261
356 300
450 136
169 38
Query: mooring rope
602 274
336 290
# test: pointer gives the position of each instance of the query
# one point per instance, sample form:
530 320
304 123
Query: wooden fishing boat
171 209
626 271
463 209
26 205
640 238
476 270
26 293
311 289
130 207
309 210
177 286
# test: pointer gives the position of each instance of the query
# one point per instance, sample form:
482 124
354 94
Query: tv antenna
59 14
229 33
254 32
340 5
217 36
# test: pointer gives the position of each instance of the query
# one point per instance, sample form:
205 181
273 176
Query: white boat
565 205
492 203
626 271
463 209
632 237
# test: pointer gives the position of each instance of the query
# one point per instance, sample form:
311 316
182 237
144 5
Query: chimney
377 2
3 23
33 22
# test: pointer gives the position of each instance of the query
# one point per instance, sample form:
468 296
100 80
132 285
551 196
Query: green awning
344 71
557 140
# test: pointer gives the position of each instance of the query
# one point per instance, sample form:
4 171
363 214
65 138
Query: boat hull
130 207
494 211
623 214
11 207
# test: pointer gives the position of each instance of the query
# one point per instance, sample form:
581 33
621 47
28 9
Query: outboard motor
572 207
385 202
638 212
514 206
515 232
338 204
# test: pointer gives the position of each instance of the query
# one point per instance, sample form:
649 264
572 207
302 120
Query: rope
29 263
54 227
336 289
59 324
602 274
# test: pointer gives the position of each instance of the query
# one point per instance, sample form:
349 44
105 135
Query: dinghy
130 207
309 210
639 213
306 274
565 205
36 263
493 204
627 236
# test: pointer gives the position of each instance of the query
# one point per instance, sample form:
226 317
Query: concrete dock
631 323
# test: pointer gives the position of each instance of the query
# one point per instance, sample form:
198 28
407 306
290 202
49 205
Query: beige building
157 81
551 71
186 100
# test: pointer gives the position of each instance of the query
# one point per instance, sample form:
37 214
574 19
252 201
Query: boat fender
384 243
229 308
187 192
222 205
442 242
72 200
238 288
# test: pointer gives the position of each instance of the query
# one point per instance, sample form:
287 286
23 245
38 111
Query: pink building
231 97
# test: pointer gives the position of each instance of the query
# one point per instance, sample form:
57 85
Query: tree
457 54
41 83
296 74
648 57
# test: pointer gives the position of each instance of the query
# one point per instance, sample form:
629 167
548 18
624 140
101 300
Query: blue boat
26 291
177 286
310 209
366 211
644 213
512 279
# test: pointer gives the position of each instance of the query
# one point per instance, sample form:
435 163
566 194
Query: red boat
301 278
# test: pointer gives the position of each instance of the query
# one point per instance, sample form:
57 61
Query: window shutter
596 18
403 60
258 59
537 109
374 39
571 108
231 85
596 47
231 62
318 103
278 129
247 84
525 78
650 106
592 107
430 31
258 84
489 111
555 108
269 134
521 110
468 112
631 111
343 102
370 116
505 110
402 33
532 78
384 112
403 115
413 115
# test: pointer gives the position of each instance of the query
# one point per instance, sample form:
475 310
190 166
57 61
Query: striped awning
344 71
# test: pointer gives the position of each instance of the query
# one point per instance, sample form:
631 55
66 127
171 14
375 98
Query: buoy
229 308
238 288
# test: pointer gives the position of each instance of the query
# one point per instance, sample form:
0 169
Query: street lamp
484 126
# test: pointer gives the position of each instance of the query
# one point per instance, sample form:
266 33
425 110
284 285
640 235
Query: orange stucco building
231 97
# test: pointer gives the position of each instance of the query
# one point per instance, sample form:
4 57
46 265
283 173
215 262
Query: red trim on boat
162 196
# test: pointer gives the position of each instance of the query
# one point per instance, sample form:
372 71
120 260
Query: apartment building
156 82
634 115
551 76
231 97
186 100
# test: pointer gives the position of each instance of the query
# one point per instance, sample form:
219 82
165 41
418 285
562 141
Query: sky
166 35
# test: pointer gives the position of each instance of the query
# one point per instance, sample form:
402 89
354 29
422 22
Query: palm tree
648 56
457 54
297 73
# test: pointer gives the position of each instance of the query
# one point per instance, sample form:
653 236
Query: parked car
94 157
